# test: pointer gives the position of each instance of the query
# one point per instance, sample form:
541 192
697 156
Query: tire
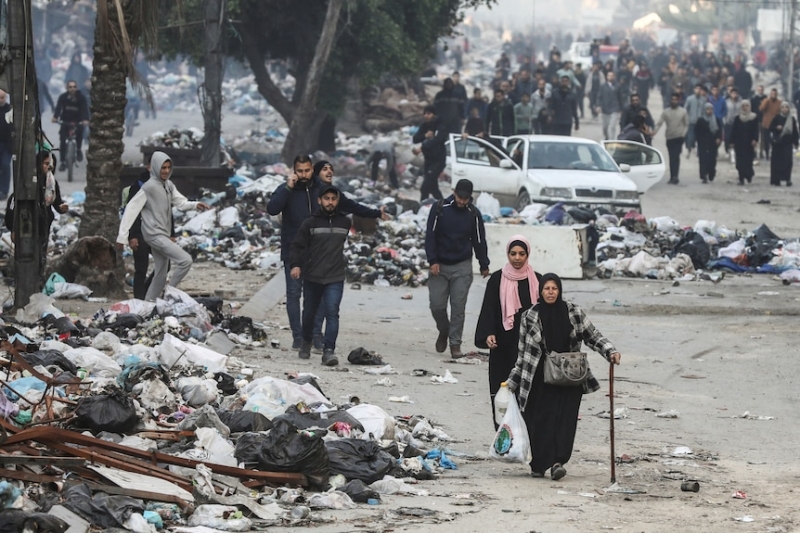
69 160
523 200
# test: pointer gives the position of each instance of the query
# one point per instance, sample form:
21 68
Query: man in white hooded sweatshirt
154 202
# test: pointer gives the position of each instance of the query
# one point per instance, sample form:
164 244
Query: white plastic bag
487 204
197 391
94 361
511 443
71 290
375 420
213 516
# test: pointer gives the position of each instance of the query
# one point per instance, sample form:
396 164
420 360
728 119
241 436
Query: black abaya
552 411
743 137
490 322
782 151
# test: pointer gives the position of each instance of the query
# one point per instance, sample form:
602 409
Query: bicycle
71 157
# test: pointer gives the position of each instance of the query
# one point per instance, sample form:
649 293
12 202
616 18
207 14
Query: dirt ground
711 352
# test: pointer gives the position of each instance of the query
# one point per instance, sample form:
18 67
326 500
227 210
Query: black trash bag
324 419
285 449
308 380
50 358
359 459
125 322
759 246
235 232
62 325
225 383
214 307
581 214
113 412
358 491
693 245
101 510
360 356
16 520
244 421
143 371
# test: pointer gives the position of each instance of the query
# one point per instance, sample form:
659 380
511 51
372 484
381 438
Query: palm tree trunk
104 156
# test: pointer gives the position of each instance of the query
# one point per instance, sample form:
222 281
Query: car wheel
523 200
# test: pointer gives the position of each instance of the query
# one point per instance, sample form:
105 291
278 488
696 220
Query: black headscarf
556 327
318 166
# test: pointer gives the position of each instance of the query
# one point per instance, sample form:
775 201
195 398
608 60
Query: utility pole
211 91
19 80
790 82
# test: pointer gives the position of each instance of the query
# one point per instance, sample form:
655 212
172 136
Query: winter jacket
154 202
296 205
454 232
564 107
523 117
720 107
450 109
69 109
500 118
609 100
769 109
478 103
627 116
630 133
733 108
433 149
694 107
318 247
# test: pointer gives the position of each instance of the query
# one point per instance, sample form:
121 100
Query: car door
647 165
485 165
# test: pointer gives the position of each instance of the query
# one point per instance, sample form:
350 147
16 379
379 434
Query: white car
524 169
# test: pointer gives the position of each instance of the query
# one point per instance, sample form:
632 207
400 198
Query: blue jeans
294 291
328 297
690 137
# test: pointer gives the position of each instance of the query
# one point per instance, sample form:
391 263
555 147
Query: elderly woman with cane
554 328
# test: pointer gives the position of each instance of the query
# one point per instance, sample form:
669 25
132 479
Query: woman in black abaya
551 412
509 292
785 138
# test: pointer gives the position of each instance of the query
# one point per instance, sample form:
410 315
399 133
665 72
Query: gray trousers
610 125
453 283
166 253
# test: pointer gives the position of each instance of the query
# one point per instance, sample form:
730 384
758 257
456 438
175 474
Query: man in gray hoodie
154 202
694 108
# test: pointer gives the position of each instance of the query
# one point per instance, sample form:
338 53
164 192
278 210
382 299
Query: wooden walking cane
611 398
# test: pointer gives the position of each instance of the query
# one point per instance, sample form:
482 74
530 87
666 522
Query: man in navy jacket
455 229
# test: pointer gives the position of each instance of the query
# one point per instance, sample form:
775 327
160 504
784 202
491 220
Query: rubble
128 420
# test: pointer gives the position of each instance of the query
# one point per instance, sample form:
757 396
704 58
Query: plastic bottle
501 400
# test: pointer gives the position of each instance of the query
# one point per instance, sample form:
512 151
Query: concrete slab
553 248
265 299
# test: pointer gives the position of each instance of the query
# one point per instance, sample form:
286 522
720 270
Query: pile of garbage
139 418
188 139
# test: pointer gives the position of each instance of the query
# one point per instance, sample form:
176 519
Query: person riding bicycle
71 108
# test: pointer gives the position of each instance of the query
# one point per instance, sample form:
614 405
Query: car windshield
570 156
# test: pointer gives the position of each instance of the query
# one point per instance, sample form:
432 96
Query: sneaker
62 167
704 180
441 342
537 474
329 358
80 156
317 344
296 344
305 350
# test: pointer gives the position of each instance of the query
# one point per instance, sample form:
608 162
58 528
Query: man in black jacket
500 115
564 108
71 108
450 106
318 256
455 229
432 136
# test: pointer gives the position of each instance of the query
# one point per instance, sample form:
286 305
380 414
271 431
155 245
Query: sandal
557 472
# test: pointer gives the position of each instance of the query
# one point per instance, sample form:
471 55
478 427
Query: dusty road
711 352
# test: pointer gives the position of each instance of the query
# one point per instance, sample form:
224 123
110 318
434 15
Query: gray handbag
565 369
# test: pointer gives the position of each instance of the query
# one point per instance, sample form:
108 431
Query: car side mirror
624 167
506 163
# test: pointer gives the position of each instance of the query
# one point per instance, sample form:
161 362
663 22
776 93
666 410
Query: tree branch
266 87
